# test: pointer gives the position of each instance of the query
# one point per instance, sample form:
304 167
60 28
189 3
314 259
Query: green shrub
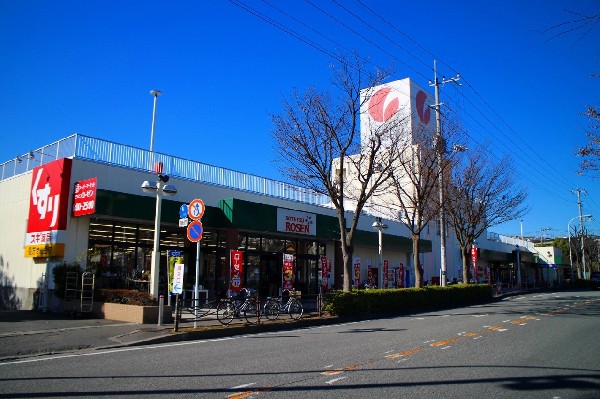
400 300
129 297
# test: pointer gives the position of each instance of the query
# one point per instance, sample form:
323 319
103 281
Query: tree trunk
465 264
418 268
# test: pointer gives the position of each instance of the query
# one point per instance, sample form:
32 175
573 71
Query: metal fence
101 151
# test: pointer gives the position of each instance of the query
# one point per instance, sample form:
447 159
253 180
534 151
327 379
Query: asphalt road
531 346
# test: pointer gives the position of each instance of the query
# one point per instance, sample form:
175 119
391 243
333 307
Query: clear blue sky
88 67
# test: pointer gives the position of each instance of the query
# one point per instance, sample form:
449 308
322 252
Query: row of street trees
394 173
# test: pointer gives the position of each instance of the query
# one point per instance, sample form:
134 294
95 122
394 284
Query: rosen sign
48 209
289 221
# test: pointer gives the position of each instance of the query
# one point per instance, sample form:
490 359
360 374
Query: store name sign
48 209
296 222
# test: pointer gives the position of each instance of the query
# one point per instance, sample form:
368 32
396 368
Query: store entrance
271 269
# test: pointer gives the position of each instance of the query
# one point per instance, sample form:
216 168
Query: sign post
194 211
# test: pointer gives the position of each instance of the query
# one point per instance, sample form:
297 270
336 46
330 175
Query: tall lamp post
160 188
155 93
587 218
380 226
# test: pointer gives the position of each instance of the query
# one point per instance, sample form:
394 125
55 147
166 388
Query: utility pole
440 147
578 192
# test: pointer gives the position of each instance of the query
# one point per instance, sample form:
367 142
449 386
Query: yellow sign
44 250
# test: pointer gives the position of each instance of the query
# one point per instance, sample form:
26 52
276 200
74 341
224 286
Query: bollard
161 302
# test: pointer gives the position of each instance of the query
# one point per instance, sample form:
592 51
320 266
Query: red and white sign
474 257
288 272
84 199
236 270
402 100
48 209
196 209
289 221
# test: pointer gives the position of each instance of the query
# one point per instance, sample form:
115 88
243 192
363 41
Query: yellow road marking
341 370
445 342
406 353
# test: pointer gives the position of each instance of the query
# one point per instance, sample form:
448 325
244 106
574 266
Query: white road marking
243 385
334 380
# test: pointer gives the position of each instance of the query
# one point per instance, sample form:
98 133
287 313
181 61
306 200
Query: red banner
385 273
236 270
84 200
288 272
401 276
474 257
324 273
356 272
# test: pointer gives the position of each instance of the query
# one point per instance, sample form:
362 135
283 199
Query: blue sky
88 67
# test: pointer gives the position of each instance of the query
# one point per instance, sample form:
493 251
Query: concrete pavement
33 333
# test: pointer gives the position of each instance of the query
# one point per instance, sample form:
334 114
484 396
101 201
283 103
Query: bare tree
414 185
590 153
318 141
481 194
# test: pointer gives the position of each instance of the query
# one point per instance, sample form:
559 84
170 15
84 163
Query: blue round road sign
183 211
194 231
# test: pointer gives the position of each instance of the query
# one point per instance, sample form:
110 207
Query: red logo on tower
382 106
423 110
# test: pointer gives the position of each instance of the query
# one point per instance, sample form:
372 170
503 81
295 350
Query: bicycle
247 303
273 307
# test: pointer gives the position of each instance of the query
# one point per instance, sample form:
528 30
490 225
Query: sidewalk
31 333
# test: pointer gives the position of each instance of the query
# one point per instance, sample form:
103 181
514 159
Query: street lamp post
587 218
155 93
518 251
161 188
380 226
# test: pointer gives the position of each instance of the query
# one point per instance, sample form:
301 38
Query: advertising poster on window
324 273
236 270
386 265
401 276
356 272
48 209
288 272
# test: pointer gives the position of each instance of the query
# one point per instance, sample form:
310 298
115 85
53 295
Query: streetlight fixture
161 188
380 226
587 218
155 93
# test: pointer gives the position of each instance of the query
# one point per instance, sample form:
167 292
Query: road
531 346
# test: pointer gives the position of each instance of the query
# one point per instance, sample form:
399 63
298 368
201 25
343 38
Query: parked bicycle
274 306
245 303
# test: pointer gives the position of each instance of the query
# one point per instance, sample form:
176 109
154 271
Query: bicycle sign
196 209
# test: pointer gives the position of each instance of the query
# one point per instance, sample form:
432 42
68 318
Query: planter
133 313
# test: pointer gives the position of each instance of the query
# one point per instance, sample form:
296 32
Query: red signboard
236 270
474 257
288 272
48 209
84 199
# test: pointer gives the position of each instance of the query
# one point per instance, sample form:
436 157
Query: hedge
361 302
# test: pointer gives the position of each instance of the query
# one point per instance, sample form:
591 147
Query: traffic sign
194 231
178 278
183 211
183 222
196 209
